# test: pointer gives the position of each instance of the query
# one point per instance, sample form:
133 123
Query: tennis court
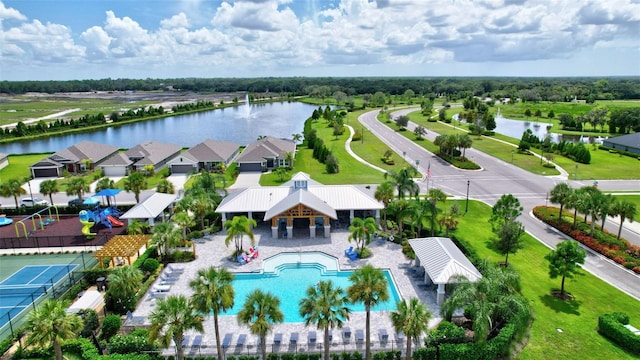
24 287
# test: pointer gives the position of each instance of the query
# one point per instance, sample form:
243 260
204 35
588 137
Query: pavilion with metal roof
443 263
151 208
300 201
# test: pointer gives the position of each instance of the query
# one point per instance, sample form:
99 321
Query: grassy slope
578 318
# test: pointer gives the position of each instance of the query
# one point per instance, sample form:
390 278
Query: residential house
266 154
205 155
629 143
83 156
137 158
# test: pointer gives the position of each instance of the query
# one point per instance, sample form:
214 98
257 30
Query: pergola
299 205
443 263
122 246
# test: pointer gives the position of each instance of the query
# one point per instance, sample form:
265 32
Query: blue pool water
290 285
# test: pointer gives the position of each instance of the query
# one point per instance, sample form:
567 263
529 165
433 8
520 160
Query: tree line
530 89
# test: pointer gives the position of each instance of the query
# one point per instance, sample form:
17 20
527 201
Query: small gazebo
123 247
443 263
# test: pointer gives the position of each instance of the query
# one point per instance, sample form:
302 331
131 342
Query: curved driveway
498 177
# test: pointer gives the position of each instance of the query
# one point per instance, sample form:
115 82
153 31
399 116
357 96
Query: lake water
239 124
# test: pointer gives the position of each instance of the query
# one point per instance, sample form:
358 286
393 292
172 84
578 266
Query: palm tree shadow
561 306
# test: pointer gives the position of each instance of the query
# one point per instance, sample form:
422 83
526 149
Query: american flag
429 170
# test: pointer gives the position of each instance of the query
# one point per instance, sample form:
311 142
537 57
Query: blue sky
94 39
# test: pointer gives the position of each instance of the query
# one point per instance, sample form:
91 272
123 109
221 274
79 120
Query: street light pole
575 175
466 207
512 151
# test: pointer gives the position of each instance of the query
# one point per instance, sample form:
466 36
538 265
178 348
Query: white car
36 201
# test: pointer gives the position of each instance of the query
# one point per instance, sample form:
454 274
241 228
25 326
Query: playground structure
48 219
104 216
4 220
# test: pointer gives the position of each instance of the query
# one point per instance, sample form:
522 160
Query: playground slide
114 221
86 227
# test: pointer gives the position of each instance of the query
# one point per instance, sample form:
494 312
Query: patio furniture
294 338
312 337
353 255
156 295
197 341
227 340
348 251
161 288
384 336
359 335
175 269
277 338
400 337
185 341
241 340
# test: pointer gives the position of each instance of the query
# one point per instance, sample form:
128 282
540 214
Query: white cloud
254 36
10 14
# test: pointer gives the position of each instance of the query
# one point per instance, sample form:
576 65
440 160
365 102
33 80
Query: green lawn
351 170
634 199
14 111
577 318
18 167
604 166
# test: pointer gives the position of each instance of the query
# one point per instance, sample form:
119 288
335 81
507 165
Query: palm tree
77 186
449 219
260 311
326 307
51 324
464 141
184 221
561 194
296 137
422 210
361 231
369 287
124 283
213 292
165 236
12 187
135 183
625 209
48 188
137 227
402 210
172 317
384 193
237 228
202 204
606 206
166 187
411 319
403 181
105 183
493 298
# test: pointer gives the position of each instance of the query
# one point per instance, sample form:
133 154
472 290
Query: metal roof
151 207
442 260
629 140
301 197
263 198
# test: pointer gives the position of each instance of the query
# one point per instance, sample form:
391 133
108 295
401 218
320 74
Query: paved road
498 177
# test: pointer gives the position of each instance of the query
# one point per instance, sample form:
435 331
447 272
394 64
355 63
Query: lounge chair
156 295
197 341
312 337
348 251
167 281
359 336
161 288
241 260
277 338
185 341
384 336
330 336
353 255
245 257
400 337
175 269
171 274
227 340
346 332
294 338
242 338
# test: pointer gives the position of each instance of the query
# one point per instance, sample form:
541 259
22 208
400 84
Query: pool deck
213 252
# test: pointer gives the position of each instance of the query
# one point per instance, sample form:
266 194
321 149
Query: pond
241 125
515 129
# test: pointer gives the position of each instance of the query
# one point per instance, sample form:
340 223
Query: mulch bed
63 233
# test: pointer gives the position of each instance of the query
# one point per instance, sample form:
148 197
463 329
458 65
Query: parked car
36 201
77 202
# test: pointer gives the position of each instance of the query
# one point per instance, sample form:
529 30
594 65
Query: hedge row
87 351
489 350
612 326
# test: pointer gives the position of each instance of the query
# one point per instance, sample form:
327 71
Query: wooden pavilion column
327 226
290 226
274 227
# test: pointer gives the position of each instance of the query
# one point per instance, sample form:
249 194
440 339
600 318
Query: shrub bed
612 326
618 250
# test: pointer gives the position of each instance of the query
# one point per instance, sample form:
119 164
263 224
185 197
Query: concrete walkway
246 180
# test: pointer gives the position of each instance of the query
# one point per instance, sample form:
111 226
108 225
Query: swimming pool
289 282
